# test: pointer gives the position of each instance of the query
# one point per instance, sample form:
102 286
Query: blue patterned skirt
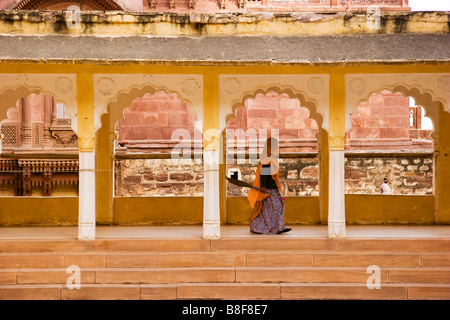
271 217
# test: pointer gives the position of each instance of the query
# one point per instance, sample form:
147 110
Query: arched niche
116 108
10 96
305 101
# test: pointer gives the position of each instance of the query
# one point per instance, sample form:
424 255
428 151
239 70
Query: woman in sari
267 214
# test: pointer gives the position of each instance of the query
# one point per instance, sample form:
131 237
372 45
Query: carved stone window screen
9 133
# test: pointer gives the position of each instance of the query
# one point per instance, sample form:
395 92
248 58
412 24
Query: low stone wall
406 175
298 176
158 177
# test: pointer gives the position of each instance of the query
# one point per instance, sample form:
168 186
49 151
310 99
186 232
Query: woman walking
267 209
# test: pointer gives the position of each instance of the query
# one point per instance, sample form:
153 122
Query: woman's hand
263 189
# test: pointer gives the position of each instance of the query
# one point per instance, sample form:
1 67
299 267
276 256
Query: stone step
429 245
222 259
225 274
339 245
233 291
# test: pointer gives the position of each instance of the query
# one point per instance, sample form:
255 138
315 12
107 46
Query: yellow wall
104 173
443 169
24 211
389 209
298 210
158 210
359 208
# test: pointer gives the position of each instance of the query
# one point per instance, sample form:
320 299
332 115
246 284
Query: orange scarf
255 196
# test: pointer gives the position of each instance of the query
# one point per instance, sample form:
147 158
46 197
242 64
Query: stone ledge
192 24
300 50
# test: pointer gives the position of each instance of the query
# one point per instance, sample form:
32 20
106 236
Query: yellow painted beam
130 68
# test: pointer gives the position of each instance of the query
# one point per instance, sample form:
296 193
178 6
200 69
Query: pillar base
336 229
211 232
86 233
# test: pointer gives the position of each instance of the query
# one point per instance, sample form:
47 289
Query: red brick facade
383 122
297 132
151 121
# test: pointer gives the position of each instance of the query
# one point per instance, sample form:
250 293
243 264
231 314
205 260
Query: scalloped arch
424 98
305 101
9 97
124 99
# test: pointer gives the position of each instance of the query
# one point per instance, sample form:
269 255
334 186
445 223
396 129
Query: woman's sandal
284 230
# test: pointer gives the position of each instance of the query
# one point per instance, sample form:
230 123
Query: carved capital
336 142
86 144
435 137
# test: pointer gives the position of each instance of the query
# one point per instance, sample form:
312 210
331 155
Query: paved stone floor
104 232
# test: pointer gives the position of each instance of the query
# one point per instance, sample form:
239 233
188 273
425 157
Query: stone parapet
221 24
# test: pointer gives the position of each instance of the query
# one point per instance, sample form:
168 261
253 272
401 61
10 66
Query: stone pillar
104 174
336 198
211 204
86 144
86 205
336 142
211 154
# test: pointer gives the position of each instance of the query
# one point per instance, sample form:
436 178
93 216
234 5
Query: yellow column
104 173
336 138
211 157
443 169
324 165
86 145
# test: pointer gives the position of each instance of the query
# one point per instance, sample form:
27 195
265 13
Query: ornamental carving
63 86
357 87
105 86
444 83
63 5
172 4
223 4
315 85
231 86
152 3
190 87
22 78
49 133
64 137
241 4
24 174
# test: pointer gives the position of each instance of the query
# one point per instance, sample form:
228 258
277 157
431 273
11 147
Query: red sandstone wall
154 118
383 123
273 111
